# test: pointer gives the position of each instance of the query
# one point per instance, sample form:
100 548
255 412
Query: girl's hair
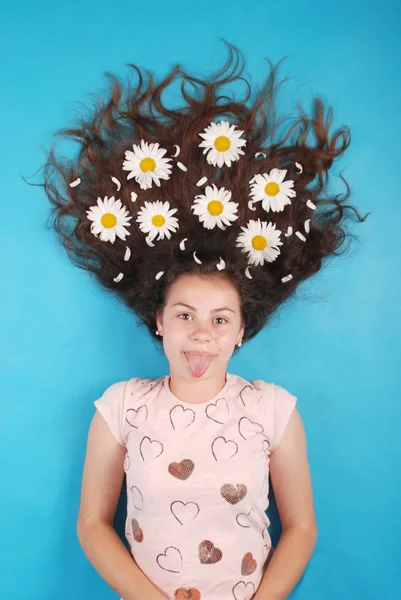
120 121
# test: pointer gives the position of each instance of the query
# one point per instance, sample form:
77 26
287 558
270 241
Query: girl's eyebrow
214 310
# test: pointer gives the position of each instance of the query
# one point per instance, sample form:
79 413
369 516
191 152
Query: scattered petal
299 167
75 183
221 265
286 278
250 205
202 181
160 273
247 273
177 151
260 154
310 204
289 231
134 196
118 184
118 278
181 166
301 237
149 242
307 225
182 244
196 259
127 254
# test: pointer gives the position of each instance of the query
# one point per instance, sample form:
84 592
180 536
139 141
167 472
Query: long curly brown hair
130 114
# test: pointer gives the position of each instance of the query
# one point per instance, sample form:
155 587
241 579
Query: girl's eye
187 315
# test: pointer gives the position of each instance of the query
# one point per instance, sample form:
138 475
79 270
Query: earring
240 344
157 333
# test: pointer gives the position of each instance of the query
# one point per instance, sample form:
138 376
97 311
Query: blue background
64 340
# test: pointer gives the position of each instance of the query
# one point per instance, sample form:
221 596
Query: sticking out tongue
198 364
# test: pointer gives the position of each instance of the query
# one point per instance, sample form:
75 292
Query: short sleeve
111 407
284 404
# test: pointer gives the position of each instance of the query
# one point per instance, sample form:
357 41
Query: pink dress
198 481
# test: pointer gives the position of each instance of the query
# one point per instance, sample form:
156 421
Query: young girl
203 223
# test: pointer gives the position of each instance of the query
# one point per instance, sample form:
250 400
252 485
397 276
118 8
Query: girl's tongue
198 364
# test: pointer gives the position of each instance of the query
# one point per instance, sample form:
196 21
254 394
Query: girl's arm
290 476
102 479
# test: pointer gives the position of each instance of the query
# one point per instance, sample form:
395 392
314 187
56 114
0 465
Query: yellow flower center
272 188
148 164
158 220
259 242
108 220
222 143
215 207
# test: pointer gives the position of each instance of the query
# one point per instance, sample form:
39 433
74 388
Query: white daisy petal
182 244
248 274
149 242
118 184
196 259
250 205
310 204
75 183
159 274
202 181
127 254
286 278
307 225
181 166
118 278
301 236
260 154
134 197
289 231
221 265
177 151
299 167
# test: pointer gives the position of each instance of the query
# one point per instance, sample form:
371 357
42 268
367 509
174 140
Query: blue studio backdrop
64 340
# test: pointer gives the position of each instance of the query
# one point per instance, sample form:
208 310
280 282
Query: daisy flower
261 241
155 218
109 219
147 165
271 190
222 143
214 207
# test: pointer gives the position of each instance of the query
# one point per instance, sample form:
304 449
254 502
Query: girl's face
201 324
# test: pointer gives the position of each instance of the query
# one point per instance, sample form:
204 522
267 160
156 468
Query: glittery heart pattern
181 470
248 564
208 553
187 594
233 493
137 531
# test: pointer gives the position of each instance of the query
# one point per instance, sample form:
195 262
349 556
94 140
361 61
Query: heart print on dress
248 428
150 449
233 493
218 411
136 417
181 417
223 449
184 512
137 531
248 564
250 395
243 591
208 553
181 470
171 560
187 594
